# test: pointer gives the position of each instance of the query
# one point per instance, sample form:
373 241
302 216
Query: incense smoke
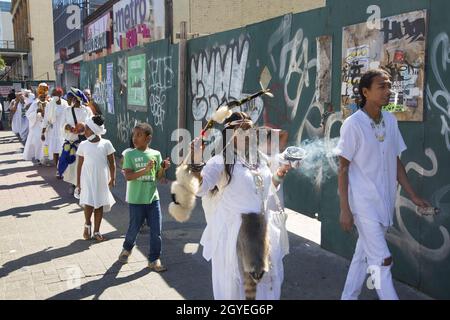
321 161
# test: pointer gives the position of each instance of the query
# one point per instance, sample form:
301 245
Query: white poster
110 87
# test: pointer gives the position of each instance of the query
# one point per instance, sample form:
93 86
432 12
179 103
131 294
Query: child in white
96 173
82 113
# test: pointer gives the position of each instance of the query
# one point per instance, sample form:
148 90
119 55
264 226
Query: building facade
33 34
6 28
212 16
68 17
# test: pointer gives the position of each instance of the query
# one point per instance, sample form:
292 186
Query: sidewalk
42 254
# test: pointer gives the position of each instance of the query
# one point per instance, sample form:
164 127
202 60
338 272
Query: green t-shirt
142 190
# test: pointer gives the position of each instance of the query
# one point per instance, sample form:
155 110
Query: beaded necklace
378 128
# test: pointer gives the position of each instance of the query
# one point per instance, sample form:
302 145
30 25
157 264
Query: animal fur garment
253 251
184 191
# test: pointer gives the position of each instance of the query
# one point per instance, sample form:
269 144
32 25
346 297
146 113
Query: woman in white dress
74 119
96 173
52 127
34 150
229 191
15 117
19 123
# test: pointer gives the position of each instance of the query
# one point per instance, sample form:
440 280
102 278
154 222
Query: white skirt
94 186
54 141
33 147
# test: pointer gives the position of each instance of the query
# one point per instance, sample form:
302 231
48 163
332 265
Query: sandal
87 232
98 236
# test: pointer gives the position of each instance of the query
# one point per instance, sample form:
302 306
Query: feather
222 114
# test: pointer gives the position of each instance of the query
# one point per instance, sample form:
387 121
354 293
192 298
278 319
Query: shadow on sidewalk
97 287
47 255
23 211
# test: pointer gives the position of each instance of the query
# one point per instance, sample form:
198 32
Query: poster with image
137 92
396 45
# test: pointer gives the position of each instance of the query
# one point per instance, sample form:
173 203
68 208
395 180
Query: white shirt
373 166
82 114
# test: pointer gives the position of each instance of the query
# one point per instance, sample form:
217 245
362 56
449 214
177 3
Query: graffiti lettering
298 70
401 237
161 80
217 76
124 127
413 31
440 99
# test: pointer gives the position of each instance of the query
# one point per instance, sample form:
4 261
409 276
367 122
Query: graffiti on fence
440 99
125 124
401 237
161 79
217 77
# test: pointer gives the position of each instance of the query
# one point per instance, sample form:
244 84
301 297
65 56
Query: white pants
370 254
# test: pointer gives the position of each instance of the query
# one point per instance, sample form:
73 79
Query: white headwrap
30 99
97 130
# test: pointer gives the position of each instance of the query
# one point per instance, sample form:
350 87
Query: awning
75 60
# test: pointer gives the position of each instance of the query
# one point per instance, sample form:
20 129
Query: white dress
15 121
223 215
19 123
82 114
54 122
33 147
95 176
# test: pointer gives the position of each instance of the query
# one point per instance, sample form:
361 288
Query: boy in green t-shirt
143 167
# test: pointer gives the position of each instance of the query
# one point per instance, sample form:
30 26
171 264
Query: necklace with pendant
254 170
378 128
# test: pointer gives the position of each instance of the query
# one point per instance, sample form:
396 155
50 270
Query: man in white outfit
370 167
52 126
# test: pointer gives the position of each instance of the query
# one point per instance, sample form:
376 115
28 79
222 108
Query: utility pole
23 69
182 76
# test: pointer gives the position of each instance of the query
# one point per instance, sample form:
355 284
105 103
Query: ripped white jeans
369 257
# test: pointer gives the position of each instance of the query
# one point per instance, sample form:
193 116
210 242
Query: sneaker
123 257
157 266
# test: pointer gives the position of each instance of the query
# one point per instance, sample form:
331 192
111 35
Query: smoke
320 163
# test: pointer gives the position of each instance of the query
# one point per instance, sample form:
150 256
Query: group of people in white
370 170
40 121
